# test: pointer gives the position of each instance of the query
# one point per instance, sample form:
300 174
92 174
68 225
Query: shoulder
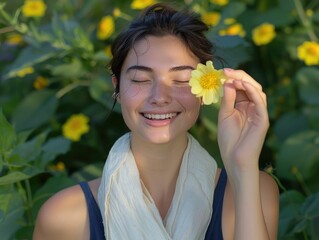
64 215
270 202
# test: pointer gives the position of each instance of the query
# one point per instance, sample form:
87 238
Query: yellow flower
235 29
211 18
40 83
140 4
107 51
105 27
264 34
309 52
117 12
219 2
309 12
33 8
24 71
60 167
14 39
207 82
75 127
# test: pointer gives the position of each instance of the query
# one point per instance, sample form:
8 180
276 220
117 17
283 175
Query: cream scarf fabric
128 210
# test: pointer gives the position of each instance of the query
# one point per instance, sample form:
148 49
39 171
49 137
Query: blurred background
56 119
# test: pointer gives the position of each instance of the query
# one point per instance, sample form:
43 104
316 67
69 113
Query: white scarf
129 212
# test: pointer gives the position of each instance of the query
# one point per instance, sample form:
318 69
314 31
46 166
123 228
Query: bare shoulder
270 203
64 215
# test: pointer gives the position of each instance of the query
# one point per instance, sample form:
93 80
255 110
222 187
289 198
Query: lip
159 119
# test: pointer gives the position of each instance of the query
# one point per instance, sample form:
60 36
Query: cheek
189 101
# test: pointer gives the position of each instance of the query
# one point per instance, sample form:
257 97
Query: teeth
160 116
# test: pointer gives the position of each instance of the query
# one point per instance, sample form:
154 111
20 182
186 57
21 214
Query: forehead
164 51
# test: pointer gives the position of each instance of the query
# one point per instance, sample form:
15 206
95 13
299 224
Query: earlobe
116 93
114 81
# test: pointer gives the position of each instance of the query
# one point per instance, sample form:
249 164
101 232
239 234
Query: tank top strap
95 217
214 230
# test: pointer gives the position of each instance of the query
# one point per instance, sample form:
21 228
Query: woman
158 182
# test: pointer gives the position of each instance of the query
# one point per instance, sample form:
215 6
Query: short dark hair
160 20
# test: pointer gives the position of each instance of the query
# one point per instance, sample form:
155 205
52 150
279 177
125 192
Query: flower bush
53 56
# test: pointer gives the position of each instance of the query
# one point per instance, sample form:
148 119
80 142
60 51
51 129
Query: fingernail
228 69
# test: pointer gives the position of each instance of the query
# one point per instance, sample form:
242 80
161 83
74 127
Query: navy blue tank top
214 231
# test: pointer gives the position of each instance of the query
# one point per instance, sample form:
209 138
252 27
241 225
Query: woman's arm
63 216
242 127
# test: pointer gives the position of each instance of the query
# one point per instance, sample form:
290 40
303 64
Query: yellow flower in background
33 8
105 28
264 34
211 18
207 82
219 2
14 39
40 83
107 51
309 52
140 4
117 12
24 71
309 12
229 21
75 127
60 167
235 29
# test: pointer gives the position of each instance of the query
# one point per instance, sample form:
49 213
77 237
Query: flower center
209 81
313 50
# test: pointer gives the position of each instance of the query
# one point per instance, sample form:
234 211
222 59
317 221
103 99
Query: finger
232 74
228 101
242 95
257 99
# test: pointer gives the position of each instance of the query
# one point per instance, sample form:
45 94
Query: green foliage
68 76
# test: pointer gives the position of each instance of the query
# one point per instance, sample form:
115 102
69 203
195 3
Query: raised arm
242 127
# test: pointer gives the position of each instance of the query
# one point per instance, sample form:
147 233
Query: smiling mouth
151 116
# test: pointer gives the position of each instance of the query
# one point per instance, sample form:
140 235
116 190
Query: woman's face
156 101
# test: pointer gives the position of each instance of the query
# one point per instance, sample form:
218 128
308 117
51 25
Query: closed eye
181 81
140 81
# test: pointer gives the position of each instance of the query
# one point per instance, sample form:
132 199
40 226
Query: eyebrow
148 69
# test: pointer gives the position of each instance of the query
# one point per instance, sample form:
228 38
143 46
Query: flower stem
29 201
70 87
305 21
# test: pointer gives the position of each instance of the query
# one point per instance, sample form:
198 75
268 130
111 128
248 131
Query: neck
158 166
158 159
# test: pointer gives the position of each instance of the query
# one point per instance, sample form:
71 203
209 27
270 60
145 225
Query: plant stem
29 201
70 87
305 21
7 29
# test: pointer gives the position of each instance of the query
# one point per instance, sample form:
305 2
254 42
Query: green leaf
308 81
289 211
35 110
299 152
30 150
89 172
101 90
55 147
11 211
16 176
233 10
30 56
7 135
289 124
73 69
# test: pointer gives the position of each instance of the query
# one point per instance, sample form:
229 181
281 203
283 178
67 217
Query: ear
114 81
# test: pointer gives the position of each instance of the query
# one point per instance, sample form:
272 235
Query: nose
160 94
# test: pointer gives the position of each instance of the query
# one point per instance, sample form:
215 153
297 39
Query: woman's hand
242 122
